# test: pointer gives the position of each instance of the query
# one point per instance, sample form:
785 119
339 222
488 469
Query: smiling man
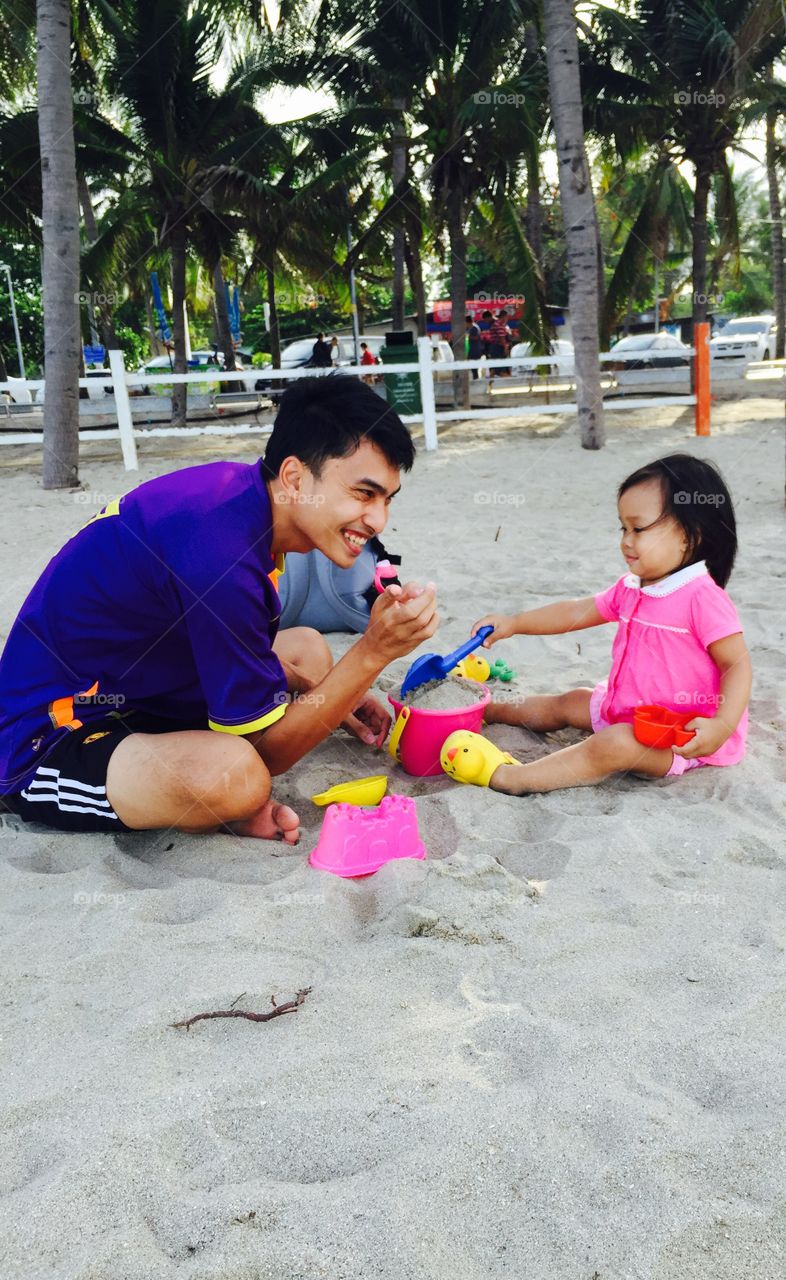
145 683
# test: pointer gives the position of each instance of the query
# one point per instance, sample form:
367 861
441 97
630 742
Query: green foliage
24 262
135 348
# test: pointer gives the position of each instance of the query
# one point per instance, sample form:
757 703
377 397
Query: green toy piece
499 670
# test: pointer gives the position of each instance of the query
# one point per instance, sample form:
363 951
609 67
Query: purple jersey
164 602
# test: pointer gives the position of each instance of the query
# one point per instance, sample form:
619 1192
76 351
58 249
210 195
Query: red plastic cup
655 726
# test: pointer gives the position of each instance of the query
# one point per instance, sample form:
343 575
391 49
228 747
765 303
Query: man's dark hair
695 493
322 418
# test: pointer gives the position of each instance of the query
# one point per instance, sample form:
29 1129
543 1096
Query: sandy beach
552 1051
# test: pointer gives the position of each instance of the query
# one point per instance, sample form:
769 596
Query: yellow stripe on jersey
264 722
111 509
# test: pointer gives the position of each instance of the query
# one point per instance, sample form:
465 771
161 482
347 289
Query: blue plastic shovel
432 667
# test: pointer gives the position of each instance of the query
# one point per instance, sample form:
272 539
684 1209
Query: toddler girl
679 644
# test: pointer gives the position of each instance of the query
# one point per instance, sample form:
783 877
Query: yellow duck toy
473 667
469 757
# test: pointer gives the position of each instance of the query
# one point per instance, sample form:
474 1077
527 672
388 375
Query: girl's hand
503 625
369 722
711 734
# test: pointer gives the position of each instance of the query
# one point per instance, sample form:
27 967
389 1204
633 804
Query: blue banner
158 303
233 306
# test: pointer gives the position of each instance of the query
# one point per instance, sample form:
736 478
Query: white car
564 367
297 354
200 362
746 338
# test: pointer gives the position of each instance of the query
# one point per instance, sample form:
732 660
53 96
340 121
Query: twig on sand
289 1006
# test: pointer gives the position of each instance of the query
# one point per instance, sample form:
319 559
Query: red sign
493 302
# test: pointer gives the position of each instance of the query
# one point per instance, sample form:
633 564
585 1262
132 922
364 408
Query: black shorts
68 789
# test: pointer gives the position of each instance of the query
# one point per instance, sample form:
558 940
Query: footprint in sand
543 861
57 860
749 851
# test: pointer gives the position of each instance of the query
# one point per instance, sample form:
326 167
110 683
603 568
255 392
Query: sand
553 1050
444 695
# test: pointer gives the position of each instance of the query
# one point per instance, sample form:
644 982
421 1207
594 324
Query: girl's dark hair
321 418
694 493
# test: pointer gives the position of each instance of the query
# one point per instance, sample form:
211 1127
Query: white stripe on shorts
68 794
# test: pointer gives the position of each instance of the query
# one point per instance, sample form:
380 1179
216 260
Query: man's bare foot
273 822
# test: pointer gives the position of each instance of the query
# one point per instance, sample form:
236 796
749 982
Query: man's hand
711 733
503 624
369 722
401 619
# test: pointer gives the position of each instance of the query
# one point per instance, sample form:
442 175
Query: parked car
565 366
650 351
201 361
297 355
746 338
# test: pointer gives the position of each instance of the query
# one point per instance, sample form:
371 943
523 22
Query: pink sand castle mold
357 842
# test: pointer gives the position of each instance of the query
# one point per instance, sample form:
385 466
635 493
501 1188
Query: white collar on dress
671 583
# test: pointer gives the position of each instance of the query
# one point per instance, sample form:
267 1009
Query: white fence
120 381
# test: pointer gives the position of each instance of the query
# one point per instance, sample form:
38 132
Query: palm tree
161 58
680 77
776 225
654 214
375 53
578 211
60 222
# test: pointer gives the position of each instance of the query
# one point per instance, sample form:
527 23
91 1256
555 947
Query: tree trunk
103 304
224 334
415 270
60 222
399 173
578 213
458 292
156 345
275 333
700 198
776 228
534 215
177 248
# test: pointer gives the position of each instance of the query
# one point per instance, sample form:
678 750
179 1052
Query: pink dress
660 653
